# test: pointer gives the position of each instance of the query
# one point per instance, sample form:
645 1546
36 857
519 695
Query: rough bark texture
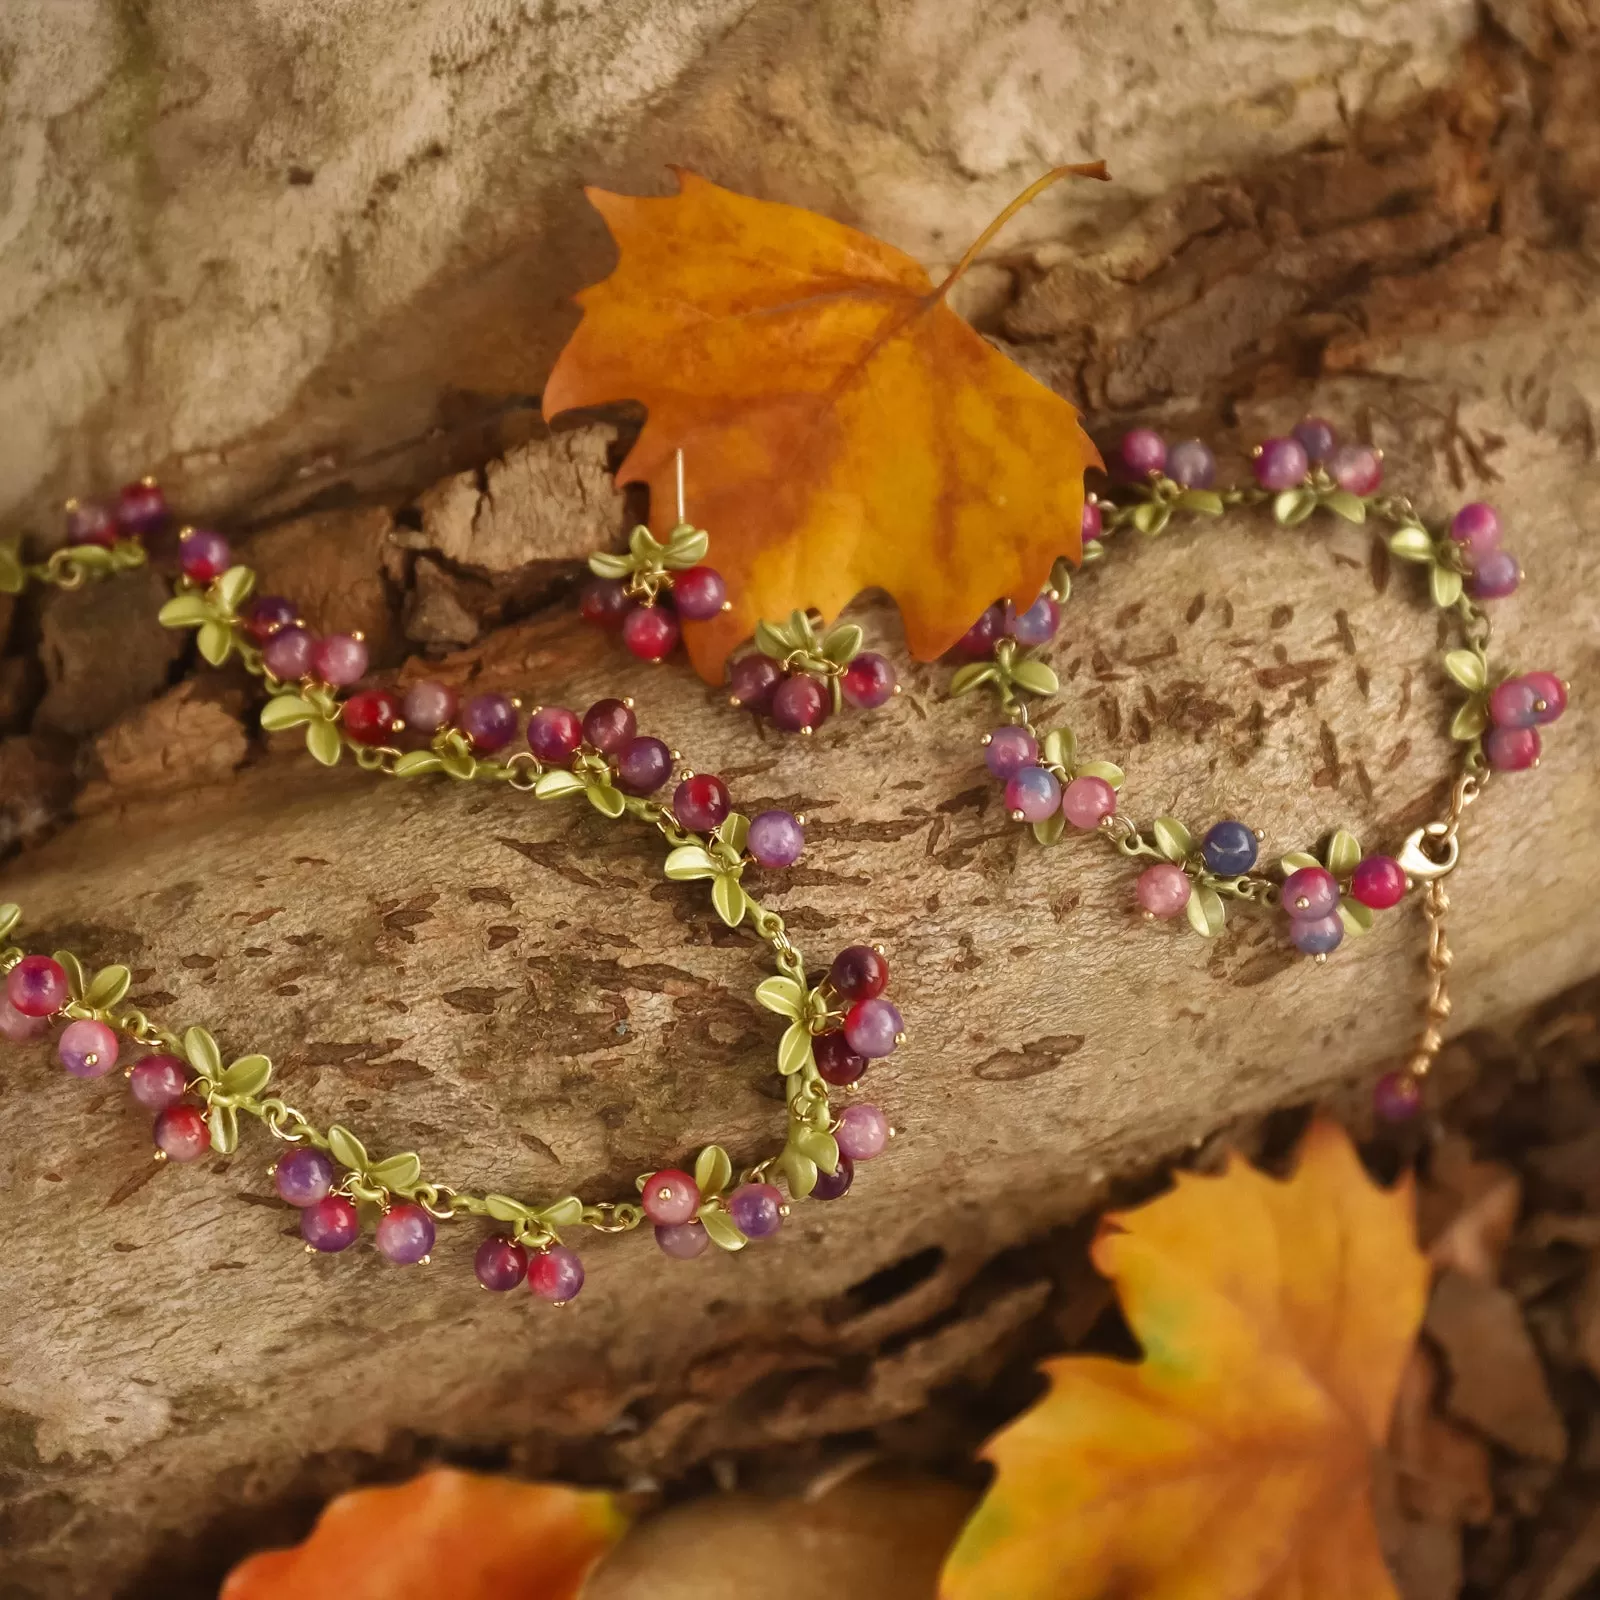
511 988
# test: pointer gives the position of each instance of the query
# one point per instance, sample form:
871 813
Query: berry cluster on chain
1324 897
835 1028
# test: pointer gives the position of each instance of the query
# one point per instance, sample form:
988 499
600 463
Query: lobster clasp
1431 852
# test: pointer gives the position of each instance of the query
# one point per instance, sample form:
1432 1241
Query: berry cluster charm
799 676
644 594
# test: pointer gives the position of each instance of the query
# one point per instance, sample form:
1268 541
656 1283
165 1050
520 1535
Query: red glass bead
1551 691
604 603
369 717
181 1133
141 507
1505 749
669 1197
500 1264
37 986
868 681
837 1063
859 972
752 681
609 724
799 704
699 593
650 633
701 803
1378 883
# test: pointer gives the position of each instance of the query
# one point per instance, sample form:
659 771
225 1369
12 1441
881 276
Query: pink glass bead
980 639
1511 704
1085 801
288 654
868 682
1143 452
91 522
1163 889
304 1176
859 973
1093 524
181 1133
1032 794
1397 1097
339 660
1495 574
799 704
873 1028
756 1209
500 1264
405 1234
1009 750
669 1197
1511 749
428 706
1317 437
1316 936
87 1049
1378 883
141 506
1191 465
37 986
1356 468
701 803
1310 893
1038 624
699 593
1281 464
1477 527
683 1241
331 1224
752 680
1550 696
608 725
643 765
776 839
650 633
555 1274
836 1062
554 734
604 603
203 554
266 614
489 722
17 1027
836 1184
862 1133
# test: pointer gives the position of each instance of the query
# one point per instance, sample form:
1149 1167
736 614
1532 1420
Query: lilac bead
1191 465
555 1274
1164 889
1032 793
489 722
331 1224
1009 750
872 1028
37 986
752 680
683 1241
1495 574
1281 464
836 1184
1038 624
1316 437
868 682
554 733
1143 451
1514 704
1310 894
1511 749
1477 527
608 725
405 1234
1397 1097
339 660
1356 468
288 654
1316 936
158 1082
500 1264
91 522
87 1049
756 1209
643 765
428 706
17 1027
1086 801
203 554
1093 524
776 839
304 1176
862 1133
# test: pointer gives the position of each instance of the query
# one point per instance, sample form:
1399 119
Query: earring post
681 517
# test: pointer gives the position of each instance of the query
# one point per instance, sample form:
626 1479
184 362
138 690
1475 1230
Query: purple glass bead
1477 527
868 682
1191 465
158 1082
752 680
1495 574
17 1027
37 986
91 522
756 1209
1316 437
859 972
683 1241
500 1264
1281 464
872 1028
489 722
428 706
141 506
643 765
288 654
836 1184
980 638
1513 704
203 554
555 1274
862 1133
604 603
339 660
304 1176
331 1224
87 1049
405 1234
776 839
1032 793
608 725
1037 625
1511 749
1316 936
699 593
1550 696
1397 1097
836 1062
1094 522
1356 468
267 613
1009 750
554 733
799 704
1310 893
1143 451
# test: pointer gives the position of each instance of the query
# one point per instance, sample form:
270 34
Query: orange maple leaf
1232 1463
843 428
443 1534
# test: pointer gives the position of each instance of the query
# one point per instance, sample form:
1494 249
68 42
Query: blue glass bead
1316 936
1229 849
